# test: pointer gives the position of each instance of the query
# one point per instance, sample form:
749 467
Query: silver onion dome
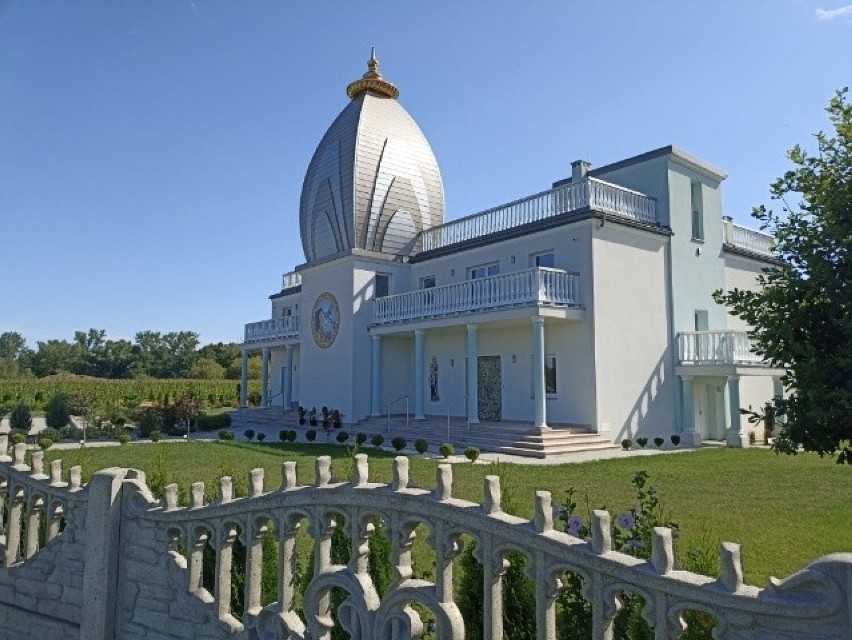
373 182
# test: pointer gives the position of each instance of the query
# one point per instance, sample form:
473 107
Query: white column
376 370
264 377
288 377
539 400
419 363
734 427
687 402
243 377
472 374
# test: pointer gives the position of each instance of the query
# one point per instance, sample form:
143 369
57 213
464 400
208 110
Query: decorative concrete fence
107 560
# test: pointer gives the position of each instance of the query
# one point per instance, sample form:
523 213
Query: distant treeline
175 355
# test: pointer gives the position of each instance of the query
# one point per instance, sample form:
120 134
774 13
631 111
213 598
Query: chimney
579 169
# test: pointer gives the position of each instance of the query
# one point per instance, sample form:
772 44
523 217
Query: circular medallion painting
325 320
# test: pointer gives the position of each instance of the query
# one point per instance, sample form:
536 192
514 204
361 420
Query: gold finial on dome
372 81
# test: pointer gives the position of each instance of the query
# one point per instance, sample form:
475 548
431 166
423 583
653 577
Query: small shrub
56 413
421 446
311 435
360 438
342 437
447 449
17 437
123 438
286 435
377 440
261 437
147 421
642 442
225 435
155 436
292 435
675 439
659 441
249 434
626 444
45 443
214 422
399 443
472 454
752 437
21 418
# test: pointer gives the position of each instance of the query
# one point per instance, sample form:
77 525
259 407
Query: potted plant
626 443
312 416
642 441
337 418
302 413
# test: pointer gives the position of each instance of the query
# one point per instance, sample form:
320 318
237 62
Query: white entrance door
700 399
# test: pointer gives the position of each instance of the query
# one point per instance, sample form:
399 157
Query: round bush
675 439
642 442
399 443
311 435
45 443
626 443
471 453
284 435
155 436
21 418
447 449
659 442
342 437
56 412
249 434
123 438
377 440
226 435
360 438
17 437
421 446
261 437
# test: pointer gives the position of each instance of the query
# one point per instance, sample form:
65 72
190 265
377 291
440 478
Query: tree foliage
802 314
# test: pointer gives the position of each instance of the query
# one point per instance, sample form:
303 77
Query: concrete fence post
101 568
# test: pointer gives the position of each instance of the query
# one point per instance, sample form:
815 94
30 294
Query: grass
785 511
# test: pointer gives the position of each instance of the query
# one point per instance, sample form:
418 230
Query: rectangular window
543 259
286 311
697 207
483 271
550 374
382 285
702 322
427 282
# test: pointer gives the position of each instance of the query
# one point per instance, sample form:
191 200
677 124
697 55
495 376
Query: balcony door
490 388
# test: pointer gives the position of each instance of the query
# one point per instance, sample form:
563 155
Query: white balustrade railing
142 563
291 279
588 193
519 288
275 329
748 239
716 347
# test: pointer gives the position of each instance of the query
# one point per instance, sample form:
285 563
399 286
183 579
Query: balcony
717 348
270 330
291 279
589 193
540 286
748 239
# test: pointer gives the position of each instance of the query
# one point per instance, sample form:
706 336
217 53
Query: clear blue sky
152 151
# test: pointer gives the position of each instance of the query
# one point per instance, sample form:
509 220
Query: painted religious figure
433 380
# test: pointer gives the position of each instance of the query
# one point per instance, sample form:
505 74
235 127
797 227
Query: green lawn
784 511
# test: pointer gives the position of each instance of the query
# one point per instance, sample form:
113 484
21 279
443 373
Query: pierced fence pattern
275 329
717 347
159 561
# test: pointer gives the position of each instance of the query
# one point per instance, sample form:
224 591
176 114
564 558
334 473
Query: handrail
450 405
393 402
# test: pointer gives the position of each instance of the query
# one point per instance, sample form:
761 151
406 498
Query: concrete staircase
511 438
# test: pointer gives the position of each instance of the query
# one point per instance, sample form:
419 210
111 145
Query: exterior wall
649 177
741 273
633 360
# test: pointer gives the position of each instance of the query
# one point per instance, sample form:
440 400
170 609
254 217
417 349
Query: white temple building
587 305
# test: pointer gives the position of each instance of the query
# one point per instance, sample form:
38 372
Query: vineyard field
125 393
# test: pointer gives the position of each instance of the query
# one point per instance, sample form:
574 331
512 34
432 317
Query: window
286 311
550 374
697 207
427 282
483 271
702 322
382 285
543 259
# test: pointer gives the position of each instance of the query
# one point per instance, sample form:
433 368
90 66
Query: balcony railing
540 286
748 239
291 279
589 192
717 347
277 329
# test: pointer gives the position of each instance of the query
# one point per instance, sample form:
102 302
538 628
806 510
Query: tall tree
12 345
802 314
